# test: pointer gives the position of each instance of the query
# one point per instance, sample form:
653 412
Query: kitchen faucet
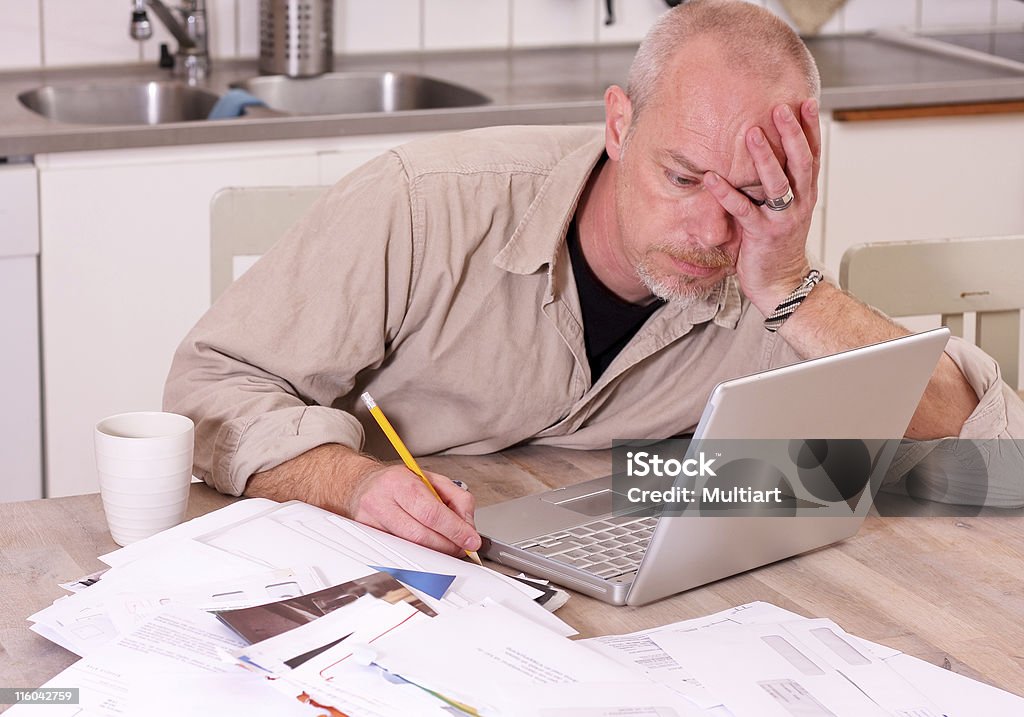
192 60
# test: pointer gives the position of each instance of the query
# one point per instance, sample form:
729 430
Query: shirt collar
535 242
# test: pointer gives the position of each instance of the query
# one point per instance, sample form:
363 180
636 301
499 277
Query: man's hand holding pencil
394 499
418 511
423 507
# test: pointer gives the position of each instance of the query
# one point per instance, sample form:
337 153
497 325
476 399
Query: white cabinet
20 436
925 178
929 178
125 270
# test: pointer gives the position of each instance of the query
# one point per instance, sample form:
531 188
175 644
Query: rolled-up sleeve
984 464
261 371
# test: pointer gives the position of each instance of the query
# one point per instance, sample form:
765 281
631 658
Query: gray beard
679 292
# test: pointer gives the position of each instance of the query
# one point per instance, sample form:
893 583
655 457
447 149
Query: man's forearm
389 498
830 320
326 476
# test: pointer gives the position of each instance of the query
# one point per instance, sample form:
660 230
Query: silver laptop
583 538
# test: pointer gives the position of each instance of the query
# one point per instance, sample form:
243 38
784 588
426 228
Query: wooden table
948 590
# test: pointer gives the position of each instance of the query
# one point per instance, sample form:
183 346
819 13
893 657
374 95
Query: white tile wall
373 26
20 38
36 33
955 12
248 31
861 15
464 24
1010 12
632 20
87 32
543 22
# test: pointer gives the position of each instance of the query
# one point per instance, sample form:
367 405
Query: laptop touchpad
598 503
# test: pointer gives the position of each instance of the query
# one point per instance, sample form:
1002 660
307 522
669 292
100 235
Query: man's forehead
707 92
726 155
704 62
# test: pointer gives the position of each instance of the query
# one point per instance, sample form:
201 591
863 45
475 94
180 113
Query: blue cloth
233 103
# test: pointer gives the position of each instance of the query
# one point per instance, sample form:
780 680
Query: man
545 285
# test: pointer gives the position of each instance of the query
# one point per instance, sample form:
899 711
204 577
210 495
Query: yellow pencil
407 458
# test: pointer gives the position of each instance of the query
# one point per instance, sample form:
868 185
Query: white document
227 515
129 609
887 688
266 541
761 670
170 644
473 583
174 664
81 622
641 652
78 626
958 696
367 691
465 654
589 699
208 693
342 550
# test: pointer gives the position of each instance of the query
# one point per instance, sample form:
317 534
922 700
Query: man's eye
681 181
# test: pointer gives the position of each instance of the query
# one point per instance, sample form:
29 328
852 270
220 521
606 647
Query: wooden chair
949 277
245 222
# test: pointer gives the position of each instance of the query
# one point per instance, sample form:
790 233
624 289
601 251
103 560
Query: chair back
245 222
950 277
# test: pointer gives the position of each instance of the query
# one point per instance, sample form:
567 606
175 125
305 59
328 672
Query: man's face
674 233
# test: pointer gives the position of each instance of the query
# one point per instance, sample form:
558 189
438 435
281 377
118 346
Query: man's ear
618 114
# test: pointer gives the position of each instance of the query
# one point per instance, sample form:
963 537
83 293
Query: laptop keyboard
607 548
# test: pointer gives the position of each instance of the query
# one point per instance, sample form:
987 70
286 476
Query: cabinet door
125 273
20 430
930 178
926 178
20 427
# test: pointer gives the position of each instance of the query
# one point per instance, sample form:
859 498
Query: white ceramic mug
144 461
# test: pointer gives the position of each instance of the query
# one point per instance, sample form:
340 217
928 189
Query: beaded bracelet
790 304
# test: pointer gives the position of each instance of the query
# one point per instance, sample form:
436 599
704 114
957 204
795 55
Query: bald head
753 41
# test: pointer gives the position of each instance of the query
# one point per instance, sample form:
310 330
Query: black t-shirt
608 321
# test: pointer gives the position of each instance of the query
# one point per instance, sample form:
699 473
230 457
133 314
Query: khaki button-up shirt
437 278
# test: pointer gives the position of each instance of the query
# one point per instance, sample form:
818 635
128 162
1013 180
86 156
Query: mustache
710 257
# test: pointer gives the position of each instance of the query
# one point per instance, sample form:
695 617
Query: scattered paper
433 584
478 647
370 646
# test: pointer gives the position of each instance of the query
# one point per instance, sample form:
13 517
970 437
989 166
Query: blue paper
433 584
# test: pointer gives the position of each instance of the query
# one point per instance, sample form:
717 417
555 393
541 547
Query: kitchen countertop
1008 45
531 86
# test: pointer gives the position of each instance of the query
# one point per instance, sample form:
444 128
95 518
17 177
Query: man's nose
707 222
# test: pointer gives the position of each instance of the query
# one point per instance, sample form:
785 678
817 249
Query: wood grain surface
971 109
947 589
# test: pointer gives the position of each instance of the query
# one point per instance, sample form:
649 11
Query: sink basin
357 92
143 103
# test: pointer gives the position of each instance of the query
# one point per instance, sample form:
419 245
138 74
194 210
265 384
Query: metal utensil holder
296 37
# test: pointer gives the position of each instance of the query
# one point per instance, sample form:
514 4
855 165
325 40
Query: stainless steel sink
358 92
117 103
